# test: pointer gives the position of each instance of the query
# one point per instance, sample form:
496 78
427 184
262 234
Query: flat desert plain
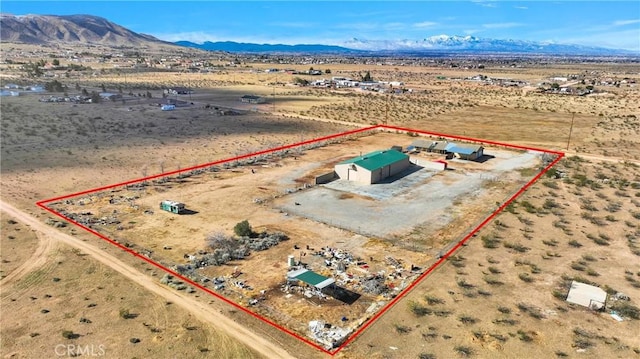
501 295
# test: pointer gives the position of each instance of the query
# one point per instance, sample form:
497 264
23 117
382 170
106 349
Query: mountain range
89 29
81 29
469 44
433 44
231 46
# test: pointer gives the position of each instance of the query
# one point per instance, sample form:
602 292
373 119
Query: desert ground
501 295
339 215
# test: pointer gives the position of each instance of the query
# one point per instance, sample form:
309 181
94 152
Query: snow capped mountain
474 44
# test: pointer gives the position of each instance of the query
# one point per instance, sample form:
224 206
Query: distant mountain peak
80 28
470 44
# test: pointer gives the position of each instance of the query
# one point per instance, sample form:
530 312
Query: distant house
109 95
372 167
178 91
252 99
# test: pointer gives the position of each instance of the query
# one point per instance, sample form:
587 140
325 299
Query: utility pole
573 115
274 94
386 110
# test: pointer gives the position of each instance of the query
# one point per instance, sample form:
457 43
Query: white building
372 167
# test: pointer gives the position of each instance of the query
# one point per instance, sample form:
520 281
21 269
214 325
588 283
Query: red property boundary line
43 204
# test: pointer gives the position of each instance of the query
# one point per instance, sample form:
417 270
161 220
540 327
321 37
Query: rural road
37 259
48 235
592 157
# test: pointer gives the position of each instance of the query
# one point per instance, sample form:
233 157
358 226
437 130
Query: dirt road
37 259
592 157
48 235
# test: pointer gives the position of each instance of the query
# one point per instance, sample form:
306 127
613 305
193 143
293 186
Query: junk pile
328 335
227 248
292 286
88 219
337 258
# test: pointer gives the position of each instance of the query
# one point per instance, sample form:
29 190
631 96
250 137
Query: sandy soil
201 311
62 149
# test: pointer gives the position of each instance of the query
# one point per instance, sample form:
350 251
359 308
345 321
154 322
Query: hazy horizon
613 25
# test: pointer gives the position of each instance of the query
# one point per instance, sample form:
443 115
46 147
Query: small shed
465 151
252 99
587 295
172 206
421 145
310 277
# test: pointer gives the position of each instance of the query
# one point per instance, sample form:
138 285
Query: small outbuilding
469 152
311 278
587 295
373 167
252 99
172 206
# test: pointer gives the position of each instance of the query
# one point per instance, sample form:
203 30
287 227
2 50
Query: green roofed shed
311 277
377 159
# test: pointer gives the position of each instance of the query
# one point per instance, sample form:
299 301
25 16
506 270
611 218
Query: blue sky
614 24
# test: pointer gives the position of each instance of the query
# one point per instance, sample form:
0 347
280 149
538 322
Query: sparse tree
367 77
243 229
95 97
55 62
300 81
32 69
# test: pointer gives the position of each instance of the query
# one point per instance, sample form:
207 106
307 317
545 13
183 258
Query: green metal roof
376 159
310 277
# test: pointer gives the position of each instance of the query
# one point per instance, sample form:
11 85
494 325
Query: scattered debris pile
88 219
227 248
374 284
328 335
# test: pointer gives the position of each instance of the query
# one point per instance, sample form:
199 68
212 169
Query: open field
455 197
507 284
502 296
68 301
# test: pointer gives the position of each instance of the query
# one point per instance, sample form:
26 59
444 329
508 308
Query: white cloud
294 24
422 25
626 22
521 7
194 36
394 26
471 31
357 26
501 25
626 39
485 3
200 37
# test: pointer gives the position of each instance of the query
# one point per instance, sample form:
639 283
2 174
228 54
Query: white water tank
291 261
